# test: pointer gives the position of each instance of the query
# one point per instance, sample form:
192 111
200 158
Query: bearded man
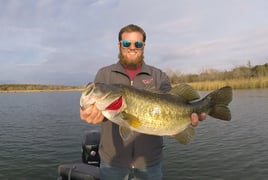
140 156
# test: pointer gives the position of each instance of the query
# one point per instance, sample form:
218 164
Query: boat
88 168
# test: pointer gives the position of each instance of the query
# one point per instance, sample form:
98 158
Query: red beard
130 63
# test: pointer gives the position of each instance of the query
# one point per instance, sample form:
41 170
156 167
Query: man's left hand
195 118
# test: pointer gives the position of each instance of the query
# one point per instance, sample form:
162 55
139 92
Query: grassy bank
37 88
249 83
59 90
243 83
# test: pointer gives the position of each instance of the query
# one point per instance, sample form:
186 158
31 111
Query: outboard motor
88 169
90 148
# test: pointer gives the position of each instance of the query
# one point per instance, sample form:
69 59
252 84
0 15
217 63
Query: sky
67 41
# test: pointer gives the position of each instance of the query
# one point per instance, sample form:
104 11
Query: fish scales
156 113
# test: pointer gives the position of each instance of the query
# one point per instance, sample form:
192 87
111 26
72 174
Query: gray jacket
141 150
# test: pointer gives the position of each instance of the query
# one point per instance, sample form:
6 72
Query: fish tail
219 101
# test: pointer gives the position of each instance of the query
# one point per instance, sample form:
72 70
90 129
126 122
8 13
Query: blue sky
67 41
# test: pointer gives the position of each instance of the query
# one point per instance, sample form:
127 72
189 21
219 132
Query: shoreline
33 91
242 83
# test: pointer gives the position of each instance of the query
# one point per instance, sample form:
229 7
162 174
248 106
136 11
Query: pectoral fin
185 136
132 120
125 132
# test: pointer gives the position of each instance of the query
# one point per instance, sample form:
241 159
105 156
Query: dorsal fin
185 91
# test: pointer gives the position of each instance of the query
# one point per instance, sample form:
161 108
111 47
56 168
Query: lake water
39 131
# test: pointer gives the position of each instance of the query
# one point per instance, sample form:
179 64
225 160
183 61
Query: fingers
91 115
195 118
202 116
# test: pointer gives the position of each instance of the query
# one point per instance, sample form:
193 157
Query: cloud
222 54
68 41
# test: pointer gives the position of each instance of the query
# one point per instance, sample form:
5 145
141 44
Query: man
141 154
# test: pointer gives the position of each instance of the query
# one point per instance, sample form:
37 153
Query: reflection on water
39 131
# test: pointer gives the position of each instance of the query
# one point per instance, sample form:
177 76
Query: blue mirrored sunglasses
126 44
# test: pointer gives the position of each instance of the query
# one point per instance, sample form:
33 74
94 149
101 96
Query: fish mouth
89 97
95 93
89 89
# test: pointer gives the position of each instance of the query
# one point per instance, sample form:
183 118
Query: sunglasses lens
138 44
126 43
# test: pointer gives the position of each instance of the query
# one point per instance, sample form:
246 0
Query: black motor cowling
88 169
90 148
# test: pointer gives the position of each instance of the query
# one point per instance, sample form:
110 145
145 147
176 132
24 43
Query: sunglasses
126 44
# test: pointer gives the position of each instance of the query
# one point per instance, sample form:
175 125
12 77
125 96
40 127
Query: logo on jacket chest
147 81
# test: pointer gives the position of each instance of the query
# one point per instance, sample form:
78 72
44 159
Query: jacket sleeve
101 76
161 80
165 82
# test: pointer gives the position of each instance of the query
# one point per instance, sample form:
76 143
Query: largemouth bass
155 113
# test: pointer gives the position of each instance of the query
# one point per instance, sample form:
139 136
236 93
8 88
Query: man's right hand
91 114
